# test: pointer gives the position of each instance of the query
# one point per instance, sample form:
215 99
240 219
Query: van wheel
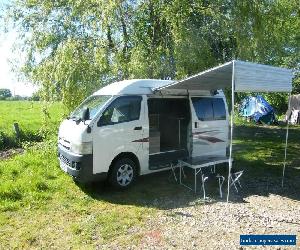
123 173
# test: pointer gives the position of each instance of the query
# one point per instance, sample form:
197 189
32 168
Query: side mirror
85 114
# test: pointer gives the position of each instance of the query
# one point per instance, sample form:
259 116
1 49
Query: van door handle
137 128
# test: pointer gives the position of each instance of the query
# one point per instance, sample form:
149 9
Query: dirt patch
5 154
218 225
261 206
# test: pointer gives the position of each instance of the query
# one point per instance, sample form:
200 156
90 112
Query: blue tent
258 110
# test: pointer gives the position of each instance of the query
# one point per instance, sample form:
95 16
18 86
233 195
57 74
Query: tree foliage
74 47
5 93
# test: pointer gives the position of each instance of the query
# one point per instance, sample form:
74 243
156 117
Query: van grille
65 160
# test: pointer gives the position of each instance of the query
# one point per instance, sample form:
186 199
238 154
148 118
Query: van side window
219 109
203 108
123 109
208 109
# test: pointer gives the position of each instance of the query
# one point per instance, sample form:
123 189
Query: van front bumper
80 167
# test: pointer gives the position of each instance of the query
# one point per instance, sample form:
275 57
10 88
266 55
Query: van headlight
82 148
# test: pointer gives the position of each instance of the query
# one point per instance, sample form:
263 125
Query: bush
7 141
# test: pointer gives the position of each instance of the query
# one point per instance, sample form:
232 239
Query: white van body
134 120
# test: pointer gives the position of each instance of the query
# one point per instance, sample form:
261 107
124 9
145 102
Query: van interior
169 119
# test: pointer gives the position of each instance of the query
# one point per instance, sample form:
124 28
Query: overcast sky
9 79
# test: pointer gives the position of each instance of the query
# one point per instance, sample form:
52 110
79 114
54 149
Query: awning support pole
286 142
231 130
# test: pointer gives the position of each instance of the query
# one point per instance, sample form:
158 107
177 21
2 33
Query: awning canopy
247 77
240 77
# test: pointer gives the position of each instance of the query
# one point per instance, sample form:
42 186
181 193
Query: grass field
31 119
41 207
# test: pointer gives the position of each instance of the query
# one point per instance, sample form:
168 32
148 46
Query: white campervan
137 127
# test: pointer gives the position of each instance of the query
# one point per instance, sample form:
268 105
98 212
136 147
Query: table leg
180 166
195 182
220 188
203 186
179 135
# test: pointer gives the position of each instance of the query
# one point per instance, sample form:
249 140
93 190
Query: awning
240 77
247 77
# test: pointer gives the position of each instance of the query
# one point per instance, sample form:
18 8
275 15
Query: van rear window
208 109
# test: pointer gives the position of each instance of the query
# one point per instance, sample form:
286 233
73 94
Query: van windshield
94 103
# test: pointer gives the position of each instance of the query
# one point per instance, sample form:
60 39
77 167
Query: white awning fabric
247 77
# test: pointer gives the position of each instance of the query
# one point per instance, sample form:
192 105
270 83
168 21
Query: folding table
197 163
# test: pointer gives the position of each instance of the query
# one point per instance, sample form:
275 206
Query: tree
36 96
5 93
74 47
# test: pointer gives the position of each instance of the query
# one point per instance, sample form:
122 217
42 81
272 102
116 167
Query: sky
8 78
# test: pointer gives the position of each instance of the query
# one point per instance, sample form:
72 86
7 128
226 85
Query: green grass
31 119
41 207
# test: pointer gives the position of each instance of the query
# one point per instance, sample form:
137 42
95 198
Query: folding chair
221 180
235 179
210 176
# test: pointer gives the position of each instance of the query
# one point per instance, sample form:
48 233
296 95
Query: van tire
123 173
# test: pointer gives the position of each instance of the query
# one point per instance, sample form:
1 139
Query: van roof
133 87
